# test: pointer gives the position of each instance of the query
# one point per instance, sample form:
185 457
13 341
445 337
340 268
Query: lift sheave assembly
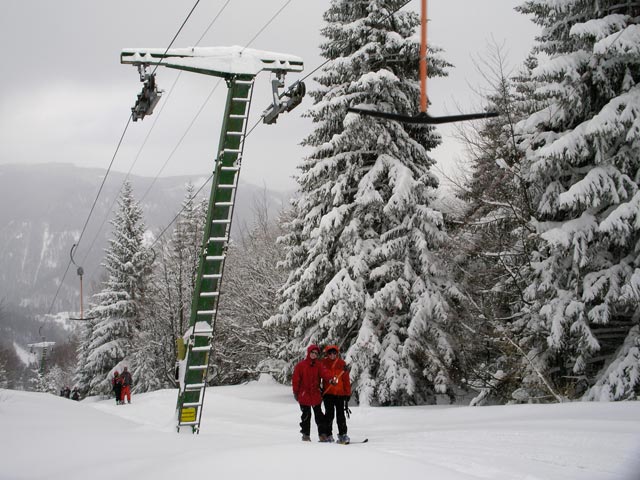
423 117
148 98
239 67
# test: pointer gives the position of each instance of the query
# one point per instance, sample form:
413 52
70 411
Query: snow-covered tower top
217 61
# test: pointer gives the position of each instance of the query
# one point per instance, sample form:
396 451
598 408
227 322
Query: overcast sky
64 96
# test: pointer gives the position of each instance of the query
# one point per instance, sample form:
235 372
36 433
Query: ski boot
323 438
306 438
344 439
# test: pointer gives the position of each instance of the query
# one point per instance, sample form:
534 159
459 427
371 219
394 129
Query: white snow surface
251 431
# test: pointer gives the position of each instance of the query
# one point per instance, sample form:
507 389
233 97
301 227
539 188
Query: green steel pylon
238 66
217 230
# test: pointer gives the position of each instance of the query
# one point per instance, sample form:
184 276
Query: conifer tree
53 380
82 375
117 311
361 248
167 306
491 240
170 290
4 375
583 153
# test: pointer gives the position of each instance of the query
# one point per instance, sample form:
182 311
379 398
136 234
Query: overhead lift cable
110 209
197 115
206 182
150 95
264 27
137 157
191 123
55 297
84 228
215 19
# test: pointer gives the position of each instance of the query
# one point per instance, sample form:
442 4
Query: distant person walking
75 394
337 392
127 383
307 376
117 387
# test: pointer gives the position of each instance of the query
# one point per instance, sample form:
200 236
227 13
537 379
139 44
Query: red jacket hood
311 348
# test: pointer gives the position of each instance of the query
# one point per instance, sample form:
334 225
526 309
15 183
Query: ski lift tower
44 347
239 67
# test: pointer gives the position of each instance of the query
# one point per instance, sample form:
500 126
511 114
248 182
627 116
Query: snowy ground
251 431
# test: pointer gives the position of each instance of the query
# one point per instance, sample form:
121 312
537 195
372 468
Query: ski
352 442
348 443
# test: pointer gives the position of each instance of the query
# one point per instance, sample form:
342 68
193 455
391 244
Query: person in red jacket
127 382
306 380
337 392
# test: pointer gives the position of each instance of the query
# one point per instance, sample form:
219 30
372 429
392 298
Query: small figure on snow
306 380
75 394
117 387
337 392
65 392
127 383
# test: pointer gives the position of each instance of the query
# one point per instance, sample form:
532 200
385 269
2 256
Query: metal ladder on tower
216 237
239 67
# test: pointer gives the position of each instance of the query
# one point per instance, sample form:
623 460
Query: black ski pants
117 390
334 407
305 419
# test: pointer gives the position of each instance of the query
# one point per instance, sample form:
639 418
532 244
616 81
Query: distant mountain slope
43 209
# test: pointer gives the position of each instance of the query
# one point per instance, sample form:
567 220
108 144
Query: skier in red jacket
306 380
127 382
337 392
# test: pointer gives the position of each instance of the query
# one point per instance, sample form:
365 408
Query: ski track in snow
251 431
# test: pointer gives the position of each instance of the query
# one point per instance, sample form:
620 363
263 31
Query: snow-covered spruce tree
491 242
53 380
361 248
167 305
116 313
583 153
4 376
81 375
37 383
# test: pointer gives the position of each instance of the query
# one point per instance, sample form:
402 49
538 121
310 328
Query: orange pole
81 316
423 58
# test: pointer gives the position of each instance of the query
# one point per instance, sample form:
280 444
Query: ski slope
251 431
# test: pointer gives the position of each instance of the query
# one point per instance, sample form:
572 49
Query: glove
347 411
